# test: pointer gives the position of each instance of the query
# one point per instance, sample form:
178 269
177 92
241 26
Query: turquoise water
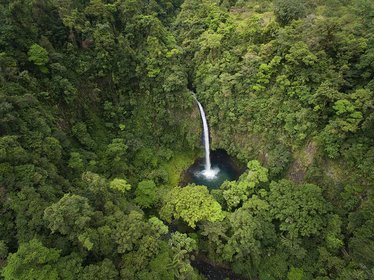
228 168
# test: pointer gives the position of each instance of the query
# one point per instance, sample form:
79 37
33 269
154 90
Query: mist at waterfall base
225 166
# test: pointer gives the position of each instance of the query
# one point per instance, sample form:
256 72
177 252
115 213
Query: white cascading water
206 137
208 172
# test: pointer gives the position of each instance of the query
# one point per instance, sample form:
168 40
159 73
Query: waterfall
208 172
206 137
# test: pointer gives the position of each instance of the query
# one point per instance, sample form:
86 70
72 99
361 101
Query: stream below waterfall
212 271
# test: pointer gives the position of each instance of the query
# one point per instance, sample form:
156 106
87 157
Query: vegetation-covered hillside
98 121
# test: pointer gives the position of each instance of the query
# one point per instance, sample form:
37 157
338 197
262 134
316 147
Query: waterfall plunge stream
208 172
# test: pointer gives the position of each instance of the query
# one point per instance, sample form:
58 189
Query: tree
114 161
32 261
11 150
39 56
333 236
76 161
129 231
120 185
52 149
243 245
69 216
81 133
146 194
28 206
288 10
101 271
349 118
361 226
243 238
182 246
295 274
192 204
238 192
3 250
299 209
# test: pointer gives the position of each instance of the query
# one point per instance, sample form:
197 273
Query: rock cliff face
302 160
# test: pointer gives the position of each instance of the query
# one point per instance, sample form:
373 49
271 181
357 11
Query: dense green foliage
97 122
